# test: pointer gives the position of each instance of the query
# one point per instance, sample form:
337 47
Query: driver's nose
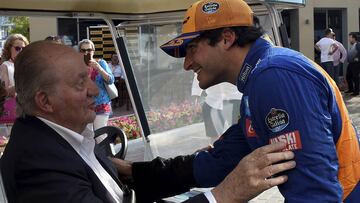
188 62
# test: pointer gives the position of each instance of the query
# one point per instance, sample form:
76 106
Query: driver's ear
228 38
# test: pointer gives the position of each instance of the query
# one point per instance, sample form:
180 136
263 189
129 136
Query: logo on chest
277 120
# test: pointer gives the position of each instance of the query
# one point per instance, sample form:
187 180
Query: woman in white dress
12 47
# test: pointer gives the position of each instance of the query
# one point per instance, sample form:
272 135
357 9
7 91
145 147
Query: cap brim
177 46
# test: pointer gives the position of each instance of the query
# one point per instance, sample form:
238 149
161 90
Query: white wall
41 27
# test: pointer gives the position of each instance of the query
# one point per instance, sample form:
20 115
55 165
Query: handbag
9 113
111 90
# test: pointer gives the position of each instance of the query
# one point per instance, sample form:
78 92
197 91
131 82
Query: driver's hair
244 34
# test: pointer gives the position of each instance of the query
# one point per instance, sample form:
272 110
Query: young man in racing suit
286 98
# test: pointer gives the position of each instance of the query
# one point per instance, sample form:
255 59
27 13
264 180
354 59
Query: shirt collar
75 139
254 56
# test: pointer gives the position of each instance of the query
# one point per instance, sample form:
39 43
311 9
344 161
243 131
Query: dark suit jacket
38 165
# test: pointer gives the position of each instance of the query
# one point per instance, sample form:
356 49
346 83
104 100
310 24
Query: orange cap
207 15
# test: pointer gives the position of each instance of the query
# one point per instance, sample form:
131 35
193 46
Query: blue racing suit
288 98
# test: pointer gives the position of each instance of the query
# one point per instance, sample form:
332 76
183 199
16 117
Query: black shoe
349 91
354 94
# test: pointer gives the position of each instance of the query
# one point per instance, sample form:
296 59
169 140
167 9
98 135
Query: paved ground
353 106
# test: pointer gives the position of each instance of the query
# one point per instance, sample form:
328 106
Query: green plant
21 25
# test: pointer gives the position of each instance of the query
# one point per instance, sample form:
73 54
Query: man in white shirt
114 65
327 47
221 107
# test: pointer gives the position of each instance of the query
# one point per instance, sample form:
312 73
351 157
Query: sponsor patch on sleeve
292 140
277 120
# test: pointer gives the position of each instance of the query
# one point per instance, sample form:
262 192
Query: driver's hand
123 167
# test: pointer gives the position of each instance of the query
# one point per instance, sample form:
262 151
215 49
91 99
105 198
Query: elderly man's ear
43 102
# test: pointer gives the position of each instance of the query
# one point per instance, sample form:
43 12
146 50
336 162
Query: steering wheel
108 143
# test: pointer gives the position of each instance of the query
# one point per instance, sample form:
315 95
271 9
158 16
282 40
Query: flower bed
173 116
128 124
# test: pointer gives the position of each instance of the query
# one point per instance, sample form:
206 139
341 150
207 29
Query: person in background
55 39
14 44
221 107
353 69
115 67
327 47
339 57
3 94
101 74
3 129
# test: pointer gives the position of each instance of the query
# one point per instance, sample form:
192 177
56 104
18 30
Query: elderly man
52 156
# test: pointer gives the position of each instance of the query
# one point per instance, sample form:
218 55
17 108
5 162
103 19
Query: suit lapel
107 165
47 132
100 155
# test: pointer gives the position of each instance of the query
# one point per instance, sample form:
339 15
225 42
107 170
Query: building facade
5 26
306 25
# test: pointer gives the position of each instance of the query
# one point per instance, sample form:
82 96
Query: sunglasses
86 50
18 49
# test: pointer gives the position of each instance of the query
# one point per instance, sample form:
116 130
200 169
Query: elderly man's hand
254 174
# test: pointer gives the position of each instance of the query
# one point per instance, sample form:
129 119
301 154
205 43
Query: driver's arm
158 178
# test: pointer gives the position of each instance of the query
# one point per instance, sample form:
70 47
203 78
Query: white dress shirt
116 70
84 145
340 54
210 197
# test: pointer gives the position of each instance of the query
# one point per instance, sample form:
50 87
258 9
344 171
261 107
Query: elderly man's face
73 99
